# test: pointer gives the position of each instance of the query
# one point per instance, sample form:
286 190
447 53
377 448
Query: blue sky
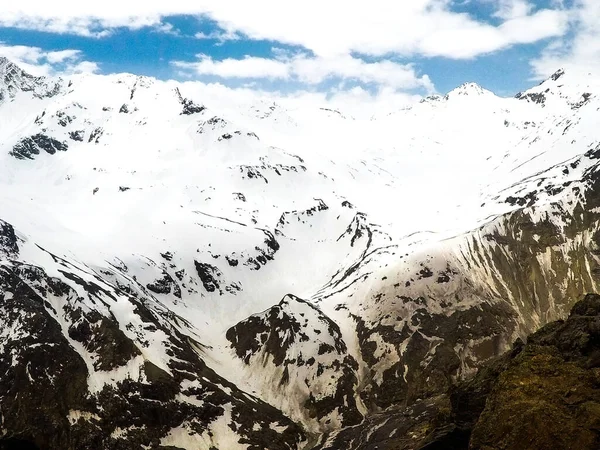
433 45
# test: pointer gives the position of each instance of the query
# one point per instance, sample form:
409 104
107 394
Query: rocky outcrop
30 147
188 105
443 313
14 80
302 355
542 394
549 395
76 377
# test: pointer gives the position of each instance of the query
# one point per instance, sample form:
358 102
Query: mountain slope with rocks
540 394
188 268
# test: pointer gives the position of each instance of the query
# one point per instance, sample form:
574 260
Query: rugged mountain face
14 80
185 268
322 376
72 378
539 395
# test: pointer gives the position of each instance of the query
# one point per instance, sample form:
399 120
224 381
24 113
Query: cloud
166 28
220 36
82 67
469 40
325 28
312 70
248 67
579 52
39 62
512 9
62 55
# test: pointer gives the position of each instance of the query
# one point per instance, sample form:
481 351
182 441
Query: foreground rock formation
543 394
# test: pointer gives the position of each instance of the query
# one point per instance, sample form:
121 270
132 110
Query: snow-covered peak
563 89
468 89
3 63
13 80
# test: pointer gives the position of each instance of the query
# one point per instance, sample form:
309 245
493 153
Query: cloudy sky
379 47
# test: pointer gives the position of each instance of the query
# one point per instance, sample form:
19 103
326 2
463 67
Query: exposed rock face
540 395
301 353
78 378
14 80
165 285
463 307
30 147
8 240
188 105
549 395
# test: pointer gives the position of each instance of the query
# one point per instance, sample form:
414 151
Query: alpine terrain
183 269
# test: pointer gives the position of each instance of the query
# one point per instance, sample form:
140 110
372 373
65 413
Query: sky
357 49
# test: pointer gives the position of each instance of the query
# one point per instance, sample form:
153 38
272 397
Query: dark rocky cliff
542 394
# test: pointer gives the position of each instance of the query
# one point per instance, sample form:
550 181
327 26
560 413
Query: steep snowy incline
248 252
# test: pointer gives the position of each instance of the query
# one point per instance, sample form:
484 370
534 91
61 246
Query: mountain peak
556 75
7 67
467 89
571 89
13 79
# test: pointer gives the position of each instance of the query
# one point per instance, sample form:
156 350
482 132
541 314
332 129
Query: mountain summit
13 80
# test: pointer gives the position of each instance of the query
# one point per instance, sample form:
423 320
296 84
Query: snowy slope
228 241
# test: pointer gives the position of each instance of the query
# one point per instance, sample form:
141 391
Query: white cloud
469 40
221 36
28 58
332 30
579 53
39 62
166 28
82 67
62 55
512 9
248 67
312 70
326 28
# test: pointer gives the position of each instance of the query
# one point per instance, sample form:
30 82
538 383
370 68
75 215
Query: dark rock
556 75
209 276
280 334
44 398
8 240
167 255
77 135
165 285
188 106
95 135
533 97
30 147
549 395
541 395
63 118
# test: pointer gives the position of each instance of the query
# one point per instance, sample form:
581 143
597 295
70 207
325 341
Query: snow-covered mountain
186 269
